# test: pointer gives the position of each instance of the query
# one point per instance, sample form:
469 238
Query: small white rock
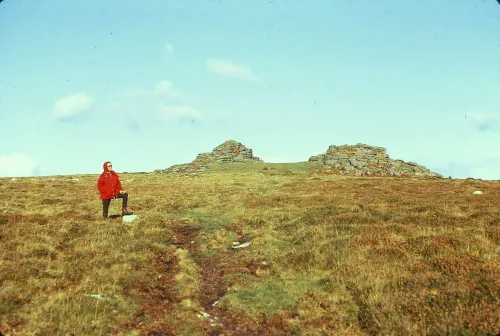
477 192
242 245
129 218
97 296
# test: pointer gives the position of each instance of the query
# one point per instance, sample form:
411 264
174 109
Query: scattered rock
129 218
365 160
203 314
228 152
213 320
97 296
241 245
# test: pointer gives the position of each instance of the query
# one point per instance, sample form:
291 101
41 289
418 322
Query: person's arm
119 185
100 182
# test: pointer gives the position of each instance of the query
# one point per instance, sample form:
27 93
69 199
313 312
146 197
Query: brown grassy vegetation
329 255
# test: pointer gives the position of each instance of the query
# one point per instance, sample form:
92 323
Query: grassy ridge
328 255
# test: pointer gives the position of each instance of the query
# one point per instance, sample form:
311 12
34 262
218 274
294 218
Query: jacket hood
105 166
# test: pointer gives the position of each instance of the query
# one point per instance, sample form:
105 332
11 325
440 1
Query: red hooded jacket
109 183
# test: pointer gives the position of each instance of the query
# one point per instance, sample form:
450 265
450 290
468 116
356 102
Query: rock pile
227 152
365 160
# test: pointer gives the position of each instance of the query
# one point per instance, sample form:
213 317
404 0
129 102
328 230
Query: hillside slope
325 255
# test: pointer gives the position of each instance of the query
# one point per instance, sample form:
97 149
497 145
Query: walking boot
125 212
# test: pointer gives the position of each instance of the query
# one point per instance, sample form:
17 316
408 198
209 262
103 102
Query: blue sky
150 84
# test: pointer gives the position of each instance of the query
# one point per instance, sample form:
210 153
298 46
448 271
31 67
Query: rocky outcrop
365 160
227 152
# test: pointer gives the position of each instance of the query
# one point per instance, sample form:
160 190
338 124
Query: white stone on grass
242 245
477 192
129 218
97 296
203 315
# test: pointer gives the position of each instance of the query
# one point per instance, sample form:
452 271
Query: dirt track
160 301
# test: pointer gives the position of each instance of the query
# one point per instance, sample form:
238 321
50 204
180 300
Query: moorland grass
329 255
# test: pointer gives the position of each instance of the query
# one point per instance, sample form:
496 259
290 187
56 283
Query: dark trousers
106 202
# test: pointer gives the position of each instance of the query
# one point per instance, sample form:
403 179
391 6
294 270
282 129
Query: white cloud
179 113
162 89
160 102
484 121
169 48
70 106
165 88
18 165
229 69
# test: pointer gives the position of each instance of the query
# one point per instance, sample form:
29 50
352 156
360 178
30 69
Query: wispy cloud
68 107
166 89
18 165
179 113
169 48
485 122
230 69
162 89
162 102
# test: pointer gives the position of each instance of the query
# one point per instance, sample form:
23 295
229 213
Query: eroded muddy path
166 311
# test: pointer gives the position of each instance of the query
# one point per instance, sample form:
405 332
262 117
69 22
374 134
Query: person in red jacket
109 187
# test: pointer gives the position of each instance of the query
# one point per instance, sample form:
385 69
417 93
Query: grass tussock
327 255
